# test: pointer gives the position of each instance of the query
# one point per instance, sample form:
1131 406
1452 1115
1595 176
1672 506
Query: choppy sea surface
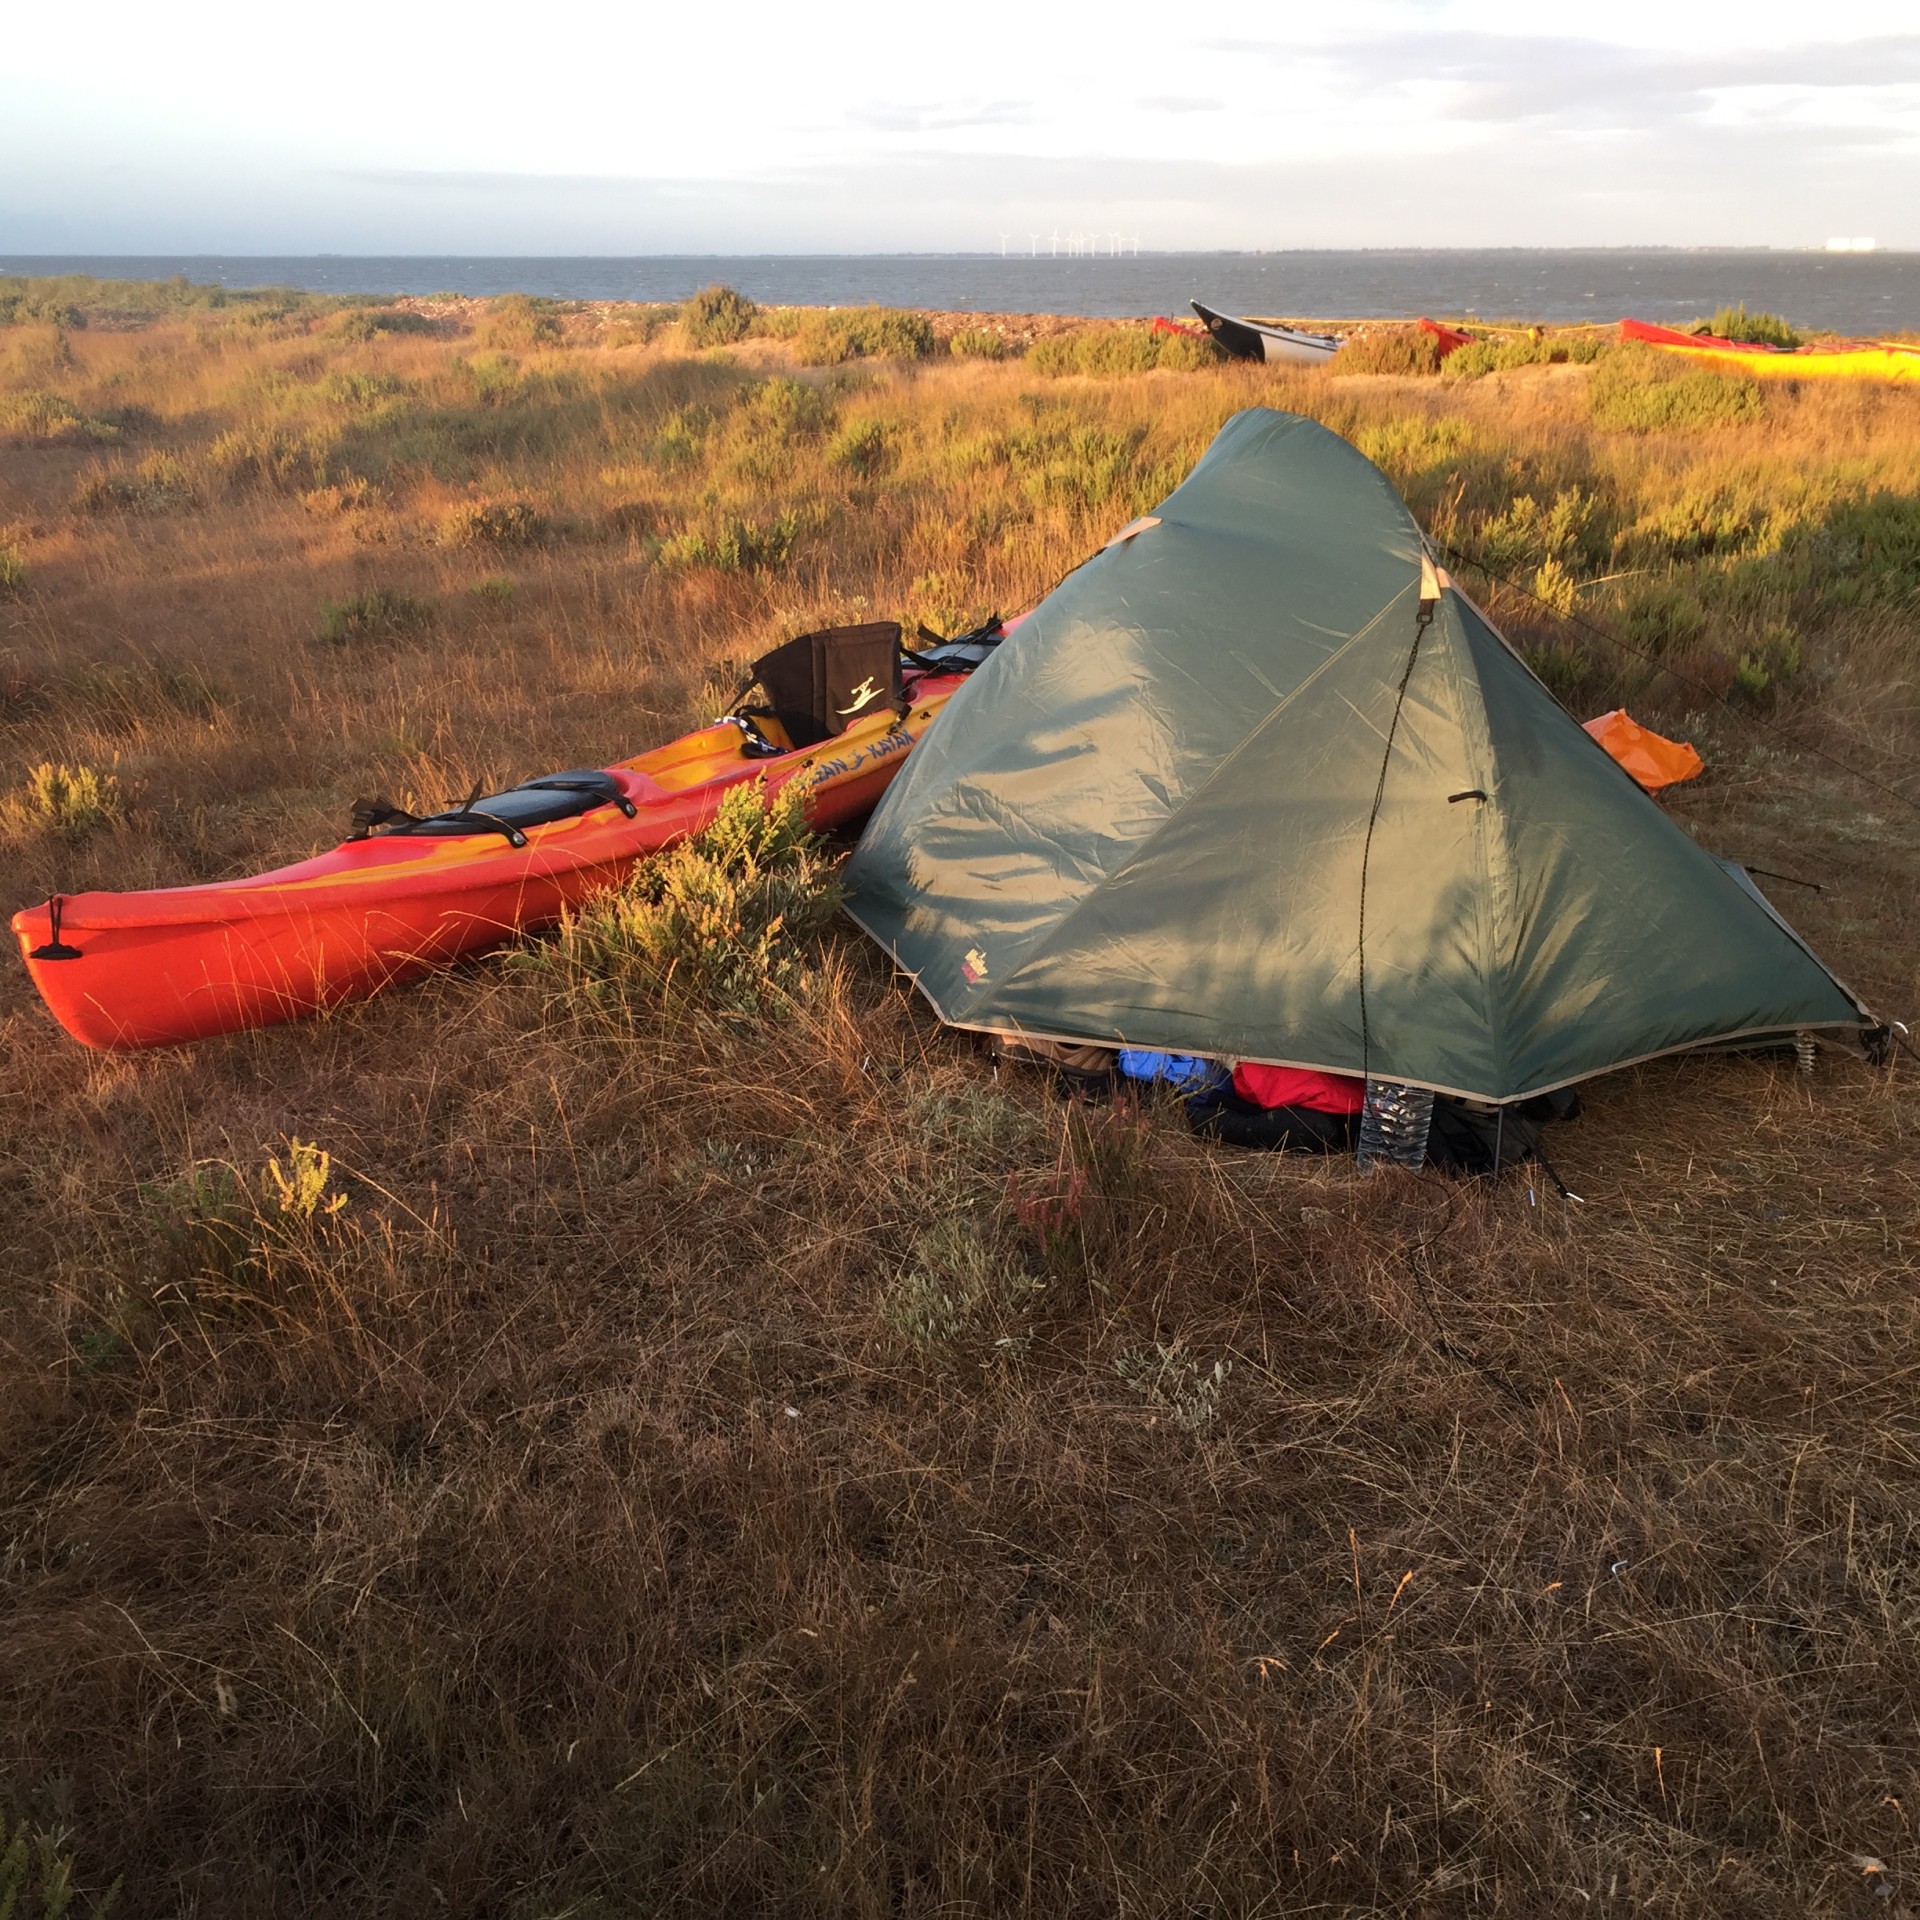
1851 293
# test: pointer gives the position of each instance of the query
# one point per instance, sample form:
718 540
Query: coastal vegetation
649 1423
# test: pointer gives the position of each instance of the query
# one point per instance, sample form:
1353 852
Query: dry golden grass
710 1468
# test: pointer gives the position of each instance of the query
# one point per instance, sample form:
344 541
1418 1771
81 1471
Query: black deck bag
1239 1123
1470 1136
819 683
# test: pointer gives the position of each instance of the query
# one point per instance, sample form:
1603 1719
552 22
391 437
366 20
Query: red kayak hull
132 970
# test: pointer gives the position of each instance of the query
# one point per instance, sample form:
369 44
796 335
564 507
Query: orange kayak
129 970
1834 360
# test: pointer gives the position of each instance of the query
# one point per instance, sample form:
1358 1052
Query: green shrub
1408 350
71 802
1529 534
1761 329
380 615
1662 617
523 320
1534 349
157 485
1112 352
272 458
717 316
864 447
718 921
978 343
368 323
734 545
493 523
682 437
497 588
13 573
1762 671
863 333
36 418
360 391
1638 390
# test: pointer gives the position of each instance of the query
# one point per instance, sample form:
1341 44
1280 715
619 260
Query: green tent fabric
1146 820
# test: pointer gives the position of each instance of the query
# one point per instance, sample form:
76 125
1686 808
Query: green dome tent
1257 782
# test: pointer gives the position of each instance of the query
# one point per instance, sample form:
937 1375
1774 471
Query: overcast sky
388 126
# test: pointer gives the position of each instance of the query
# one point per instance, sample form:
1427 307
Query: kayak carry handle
55 948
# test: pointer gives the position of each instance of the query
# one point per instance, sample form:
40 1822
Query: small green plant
301 1183
1759 329
831 338
71 802
13 572
735 546
958 1280
978 343
1641 391
36 1878
717 316
493 523
682 437
719 921
523 320
1761 672
497 589
382 614
1171 1380
1405 350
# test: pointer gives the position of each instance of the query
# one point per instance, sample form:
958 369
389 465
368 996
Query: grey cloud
1532 77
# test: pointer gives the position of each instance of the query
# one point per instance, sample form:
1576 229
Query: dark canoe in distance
1255 340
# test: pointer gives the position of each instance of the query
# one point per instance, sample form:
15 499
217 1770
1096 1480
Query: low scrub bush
13 572
961 1281
494 523
641 327
524 320
1408 350
71 802
717 316
721 921
37 1878
1537 348
735 545
1661 617
1111 352
37 418
978 343
1761 329
380 615
497 589
1640 391
159 484
273 459
369 323
865 448
863 333
22 305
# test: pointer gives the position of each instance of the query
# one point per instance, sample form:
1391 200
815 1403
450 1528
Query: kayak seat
533 803
818 684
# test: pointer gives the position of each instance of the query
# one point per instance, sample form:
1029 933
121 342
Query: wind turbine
1056 243
1003 246
1033 246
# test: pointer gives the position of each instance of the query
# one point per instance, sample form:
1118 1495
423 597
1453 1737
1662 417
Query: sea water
1846 293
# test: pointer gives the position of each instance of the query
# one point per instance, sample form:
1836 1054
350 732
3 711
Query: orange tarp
1652 759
